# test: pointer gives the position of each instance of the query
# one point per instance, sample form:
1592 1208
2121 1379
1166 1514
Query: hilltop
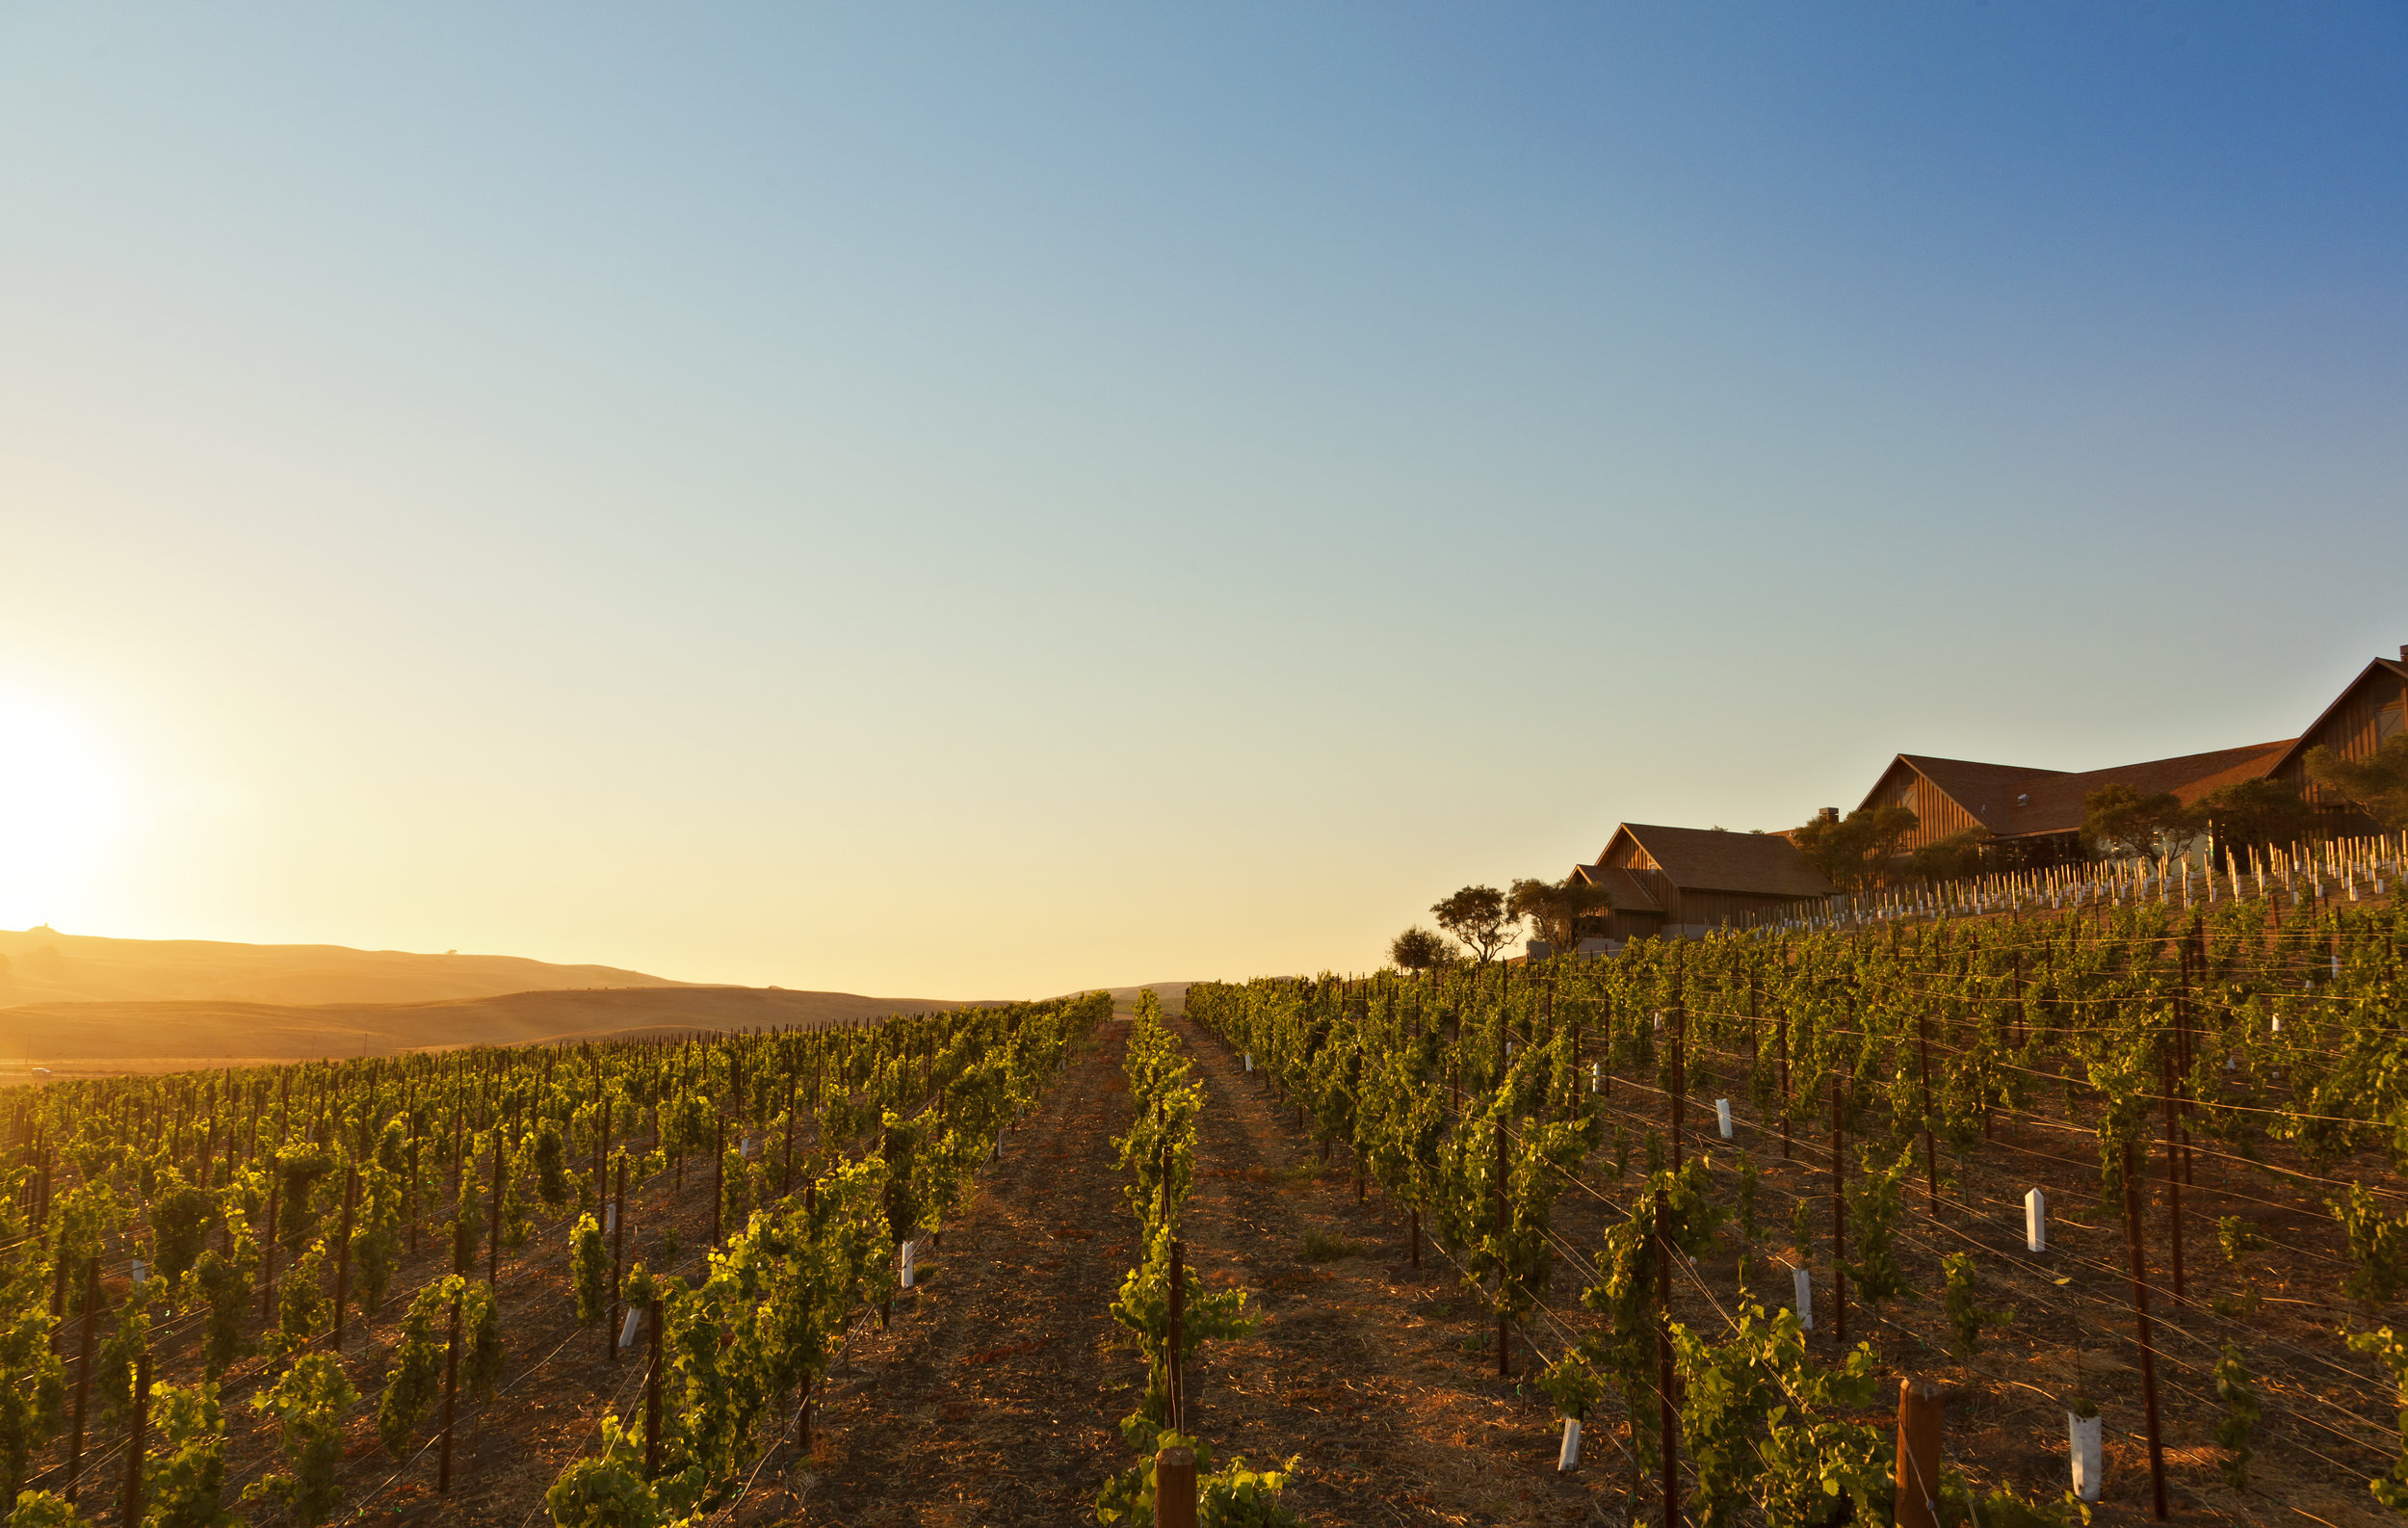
42 965
173 1035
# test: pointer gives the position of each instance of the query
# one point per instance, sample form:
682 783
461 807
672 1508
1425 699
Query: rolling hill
42 965
84 1038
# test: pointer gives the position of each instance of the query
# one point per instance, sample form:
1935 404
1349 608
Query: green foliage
179 1222
2376 1245
551 1184
481 1335
307 1404
1967 1318
184 1482
1854 853
222 1287
2377 786
1760 1424
40 1508
589 1270
2241 1411
2237 1238
299 1170
1477 918
1418 949
607 1490
1874 1198
2390 1489
415 1379
116 1365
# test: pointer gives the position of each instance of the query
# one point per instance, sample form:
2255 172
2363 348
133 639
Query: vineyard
2120 1177
2089 1189
608 1281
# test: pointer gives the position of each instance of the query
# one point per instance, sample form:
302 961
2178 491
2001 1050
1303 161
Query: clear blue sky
974 501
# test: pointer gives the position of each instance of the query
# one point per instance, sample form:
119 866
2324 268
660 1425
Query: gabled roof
1986 791
2299 744
1623 891
2057 805
2015 800
1713 859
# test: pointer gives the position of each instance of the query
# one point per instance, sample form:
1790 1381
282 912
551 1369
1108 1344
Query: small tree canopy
1949 858
2256 812
1555 910
2377 786
1418 949
2121 821
1476 916
1854 853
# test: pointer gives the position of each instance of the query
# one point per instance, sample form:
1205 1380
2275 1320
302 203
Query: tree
1555 912
2130 826
2378 787
1476 915
1853 852
2255 812
1418 949
1950 858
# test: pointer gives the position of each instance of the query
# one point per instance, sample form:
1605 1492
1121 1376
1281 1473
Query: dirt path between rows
1382 1378
989 1399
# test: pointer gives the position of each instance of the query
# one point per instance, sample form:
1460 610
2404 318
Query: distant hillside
42 965
99 1038
1172 995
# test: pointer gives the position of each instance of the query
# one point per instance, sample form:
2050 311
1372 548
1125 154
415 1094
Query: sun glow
64 802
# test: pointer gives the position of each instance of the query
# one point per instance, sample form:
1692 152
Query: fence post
652 1395
83 1373
1174 1489
1838 1218
2141 1321
1667 1415
1173 1370
450 1396
1917 1476
493 1236
618 1265
138 1440
342 1259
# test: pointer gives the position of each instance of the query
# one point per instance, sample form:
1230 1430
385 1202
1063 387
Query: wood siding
1936 815
2371 714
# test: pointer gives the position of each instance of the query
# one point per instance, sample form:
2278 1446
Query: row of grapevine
1163 1305
229 1230
1744 1066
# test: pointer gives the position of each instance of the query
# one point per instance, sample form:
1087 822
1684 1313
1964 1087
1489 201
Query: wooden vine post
267 1250
1839 1216
83 1373
1781 1034
619 1266
652 1393
1174 1489
1667 1415
138 1440
2140 1324
1505 1350
342 1259
451 1399
493 1237
2173 1174
1174 1367
1932 1152
1916 1477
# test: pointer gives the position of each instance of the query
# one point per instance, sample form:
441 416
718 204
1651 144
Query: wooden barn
2036 815
2370 713
1683 882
